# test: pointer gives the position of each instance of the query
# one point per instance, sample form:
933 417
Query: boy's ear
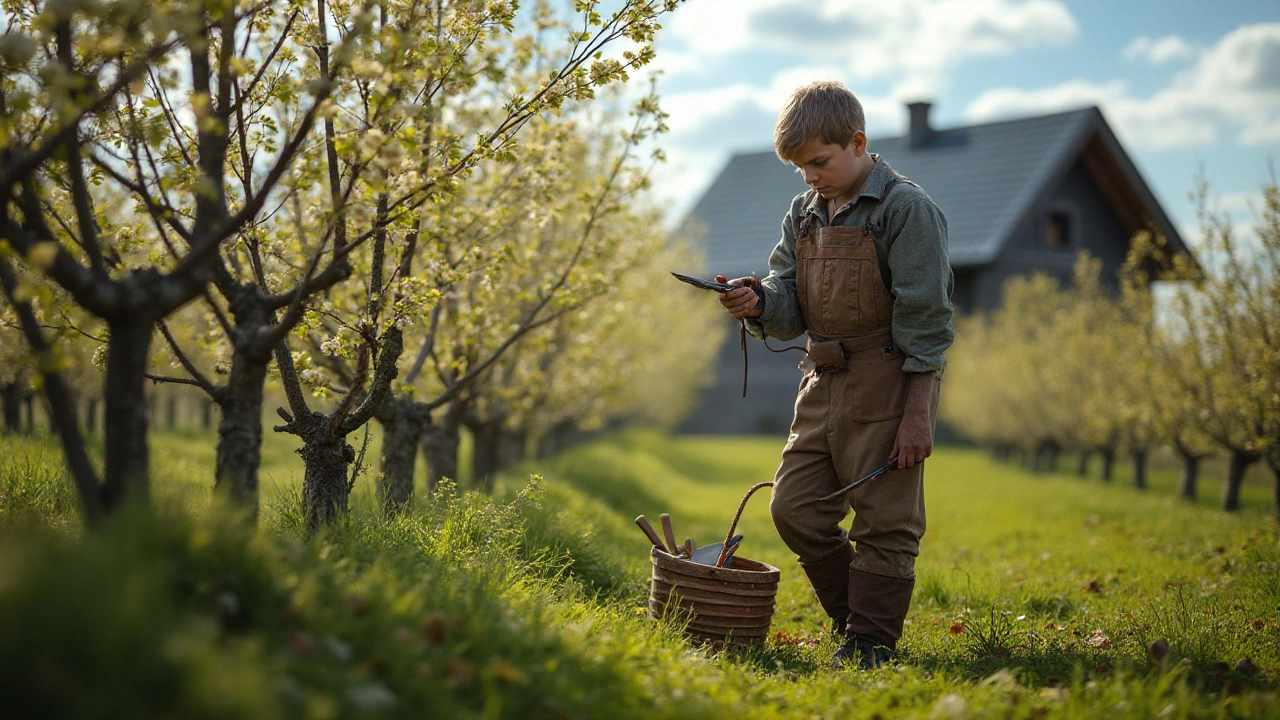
859 142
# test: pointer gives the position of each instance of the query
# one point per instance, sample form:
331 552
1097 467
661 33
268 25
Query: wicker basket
732 604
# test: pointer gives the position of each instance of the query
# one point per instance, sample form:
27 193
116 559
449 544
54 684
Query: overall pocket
876 387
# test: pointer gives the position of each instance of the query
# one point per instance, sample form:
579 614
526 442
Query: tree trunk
484 453
1138 458
1274 462
325 452
171 412
240 429
206 414
1045 458
403 422
557 439
1082 463
1108 463
1051 457
440 443
29 401
127 456
1190 475
325 487
326 455
511 448
1024 458
1236 467
11 402
91 415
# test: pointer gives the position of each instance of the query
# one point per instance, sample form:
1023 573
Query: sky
1187 85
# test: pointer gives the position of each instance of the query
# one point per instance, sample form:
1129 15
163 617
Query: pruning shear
874 473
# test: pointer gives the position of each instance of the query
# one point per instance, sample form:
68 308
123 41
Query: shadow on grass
1059 668
614 484
709 462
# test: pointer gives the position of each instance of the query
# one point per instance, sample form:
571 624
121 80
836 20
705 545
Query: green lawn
1037 596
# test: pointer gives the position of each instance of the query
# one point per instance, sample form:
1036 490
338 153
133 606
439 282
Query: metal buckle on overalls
827 357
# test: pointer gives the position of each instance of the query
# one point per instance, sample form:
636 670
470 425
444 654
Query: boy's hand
914 442
742 302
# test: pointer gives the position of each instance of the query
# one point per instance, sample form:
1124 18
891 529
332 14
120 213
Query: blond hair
825 110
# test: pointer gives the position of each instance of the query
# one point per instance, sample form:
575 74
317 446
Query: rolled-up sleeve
781 318
921 284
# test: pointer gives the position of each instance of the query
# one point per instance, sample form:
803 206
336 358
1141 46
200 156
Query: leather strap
742 338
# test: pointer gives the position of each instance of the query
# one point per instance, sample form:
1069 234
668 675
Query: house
1019 195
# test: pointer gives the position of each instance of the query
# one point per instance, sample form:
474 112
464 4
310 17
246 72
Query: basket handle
724 546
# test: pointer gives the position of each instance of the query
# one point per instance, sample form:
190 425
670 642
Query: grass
1036 596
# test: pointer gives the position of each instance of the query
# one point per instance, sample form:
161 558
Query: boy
862 268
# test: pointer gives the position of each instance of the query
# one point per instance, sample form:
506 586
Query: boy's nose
810 176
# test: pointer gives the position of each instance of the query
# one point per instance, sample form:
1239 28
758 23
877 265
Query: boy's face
830 169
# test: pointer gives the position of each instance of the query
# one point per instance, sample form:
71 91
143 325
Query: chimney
920 131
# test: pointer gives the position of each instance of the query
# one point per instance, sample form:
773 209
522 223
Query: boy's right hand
742 302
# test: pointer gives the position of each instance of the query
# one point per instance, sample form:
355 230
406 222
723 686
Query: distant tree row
1184 355
418 213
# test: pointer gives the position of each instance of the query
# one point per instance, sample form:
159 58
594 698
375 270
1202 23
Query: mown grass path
1039 580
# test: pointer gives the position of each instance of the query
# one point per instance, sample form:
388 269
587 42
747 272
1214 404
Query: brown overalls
847 412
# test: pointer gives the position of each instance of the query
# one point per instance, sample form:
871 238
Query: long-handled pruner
875 473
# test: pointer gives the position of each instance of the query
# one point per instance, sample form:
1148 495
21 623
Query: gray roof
986 178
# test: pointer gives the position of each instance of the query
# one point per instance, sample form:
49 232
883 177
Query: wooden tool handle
668 533
649 532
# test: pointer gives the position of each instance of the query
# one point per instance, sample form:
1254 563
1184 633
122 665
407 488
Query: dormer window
1057 230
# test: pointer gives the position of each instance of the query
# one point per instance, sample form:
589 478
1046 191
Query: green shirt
911 245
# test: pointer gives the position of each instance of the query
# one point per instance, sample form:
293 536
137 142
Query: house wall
1094 227
772 382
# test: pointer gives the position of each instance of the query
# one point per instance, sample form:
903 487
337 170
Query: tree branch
20 165
384 373
197 378
61 403
289 378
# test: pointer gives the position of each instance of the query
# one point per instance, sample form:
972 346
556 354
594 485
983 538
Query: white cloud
1158 52
916 44
916 41
1236 83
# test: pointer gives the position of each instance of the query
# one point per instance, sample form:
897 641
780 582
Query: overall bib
847 411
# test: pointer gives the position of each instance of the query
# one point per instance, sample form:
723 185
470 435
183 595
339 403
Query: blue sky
1185 83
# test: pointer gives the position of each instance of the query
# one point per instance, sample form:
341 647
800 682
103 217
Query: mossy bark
1107 470
1237 465
403 422
126 455
1138 461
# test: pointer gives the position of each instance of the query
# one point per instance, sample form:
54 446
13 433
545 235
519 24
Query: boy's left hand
914 441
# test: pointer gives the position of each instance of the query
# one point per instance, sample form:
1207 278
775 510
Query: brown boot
830 580
879 605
